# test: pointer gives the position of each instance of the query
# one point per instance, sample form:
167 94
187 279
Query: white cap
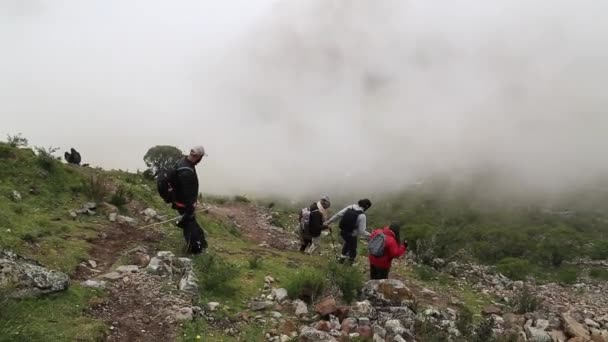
198 151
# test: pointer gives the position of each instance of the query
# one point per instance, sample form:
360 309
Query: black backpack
348 223
166 181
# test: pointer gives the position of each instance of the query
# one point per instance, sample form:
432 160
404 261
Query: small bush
6 151
598 273
45 159
514 268
306 284
567 275
484 331
233 230
95 188
426 250
29 238
599 251
464 321
241 199
425 273
527 301
16 140
348 279
217 273
121 197
427 332
255 262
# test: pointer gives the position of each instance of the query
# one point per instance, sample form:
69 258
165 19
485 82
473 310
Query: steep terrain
129 279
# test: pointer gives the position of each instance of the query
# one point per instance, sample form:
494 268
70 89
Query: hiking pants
350 246
189 224
378 273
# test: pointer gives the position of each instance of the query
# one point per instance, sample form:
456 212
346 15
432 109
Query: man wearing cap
186 189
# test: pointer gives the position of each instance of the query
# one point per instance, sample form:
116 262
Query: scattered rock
112 217
600 336
518 285
362 309
558 336
269 280
537 335
388 292
288 327
308 334
15 196
428 293
212 306
300 308
326 306
92 263
574 328
121 219
128 269
394 327
323 326
94 284
276 315
592 323
492 310
259 306
184 315
280 294
112 276
27 277
349 325
149 213
365 331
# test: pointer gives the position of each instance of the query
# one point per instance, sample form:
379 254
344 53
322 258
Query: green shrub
526 301
6 151
216 274
241 199
348 279
45 158
427 332
567 275
425 273
255 262
306 284
514 268
16 140
464 321
95 188
484 331
121 196
598 273
599 251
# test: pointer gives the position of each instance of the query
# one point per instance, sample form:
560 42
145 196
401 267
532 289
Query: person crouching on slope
385 244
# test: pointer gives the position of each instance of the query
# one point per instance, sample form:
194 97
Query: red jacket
392 249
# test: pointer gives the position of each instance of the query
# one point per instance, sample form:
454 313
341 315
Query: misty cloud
305 97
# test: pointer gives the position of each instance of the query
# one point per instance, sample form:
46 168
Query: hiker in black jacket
353 223
311 231
186 195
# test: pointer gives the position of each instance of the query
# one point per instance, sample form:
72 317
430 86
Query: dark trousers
193 233
305 244
350 246
378 273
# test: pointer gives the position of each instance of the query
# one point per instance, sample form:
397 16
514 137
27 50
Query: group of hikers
384 244
179 187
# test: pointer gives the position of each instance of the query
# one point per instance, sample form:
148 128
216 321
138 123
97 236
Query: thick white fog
298 97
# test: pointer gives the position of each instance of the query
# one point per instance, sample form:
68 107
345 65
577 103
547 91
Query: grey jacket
361 221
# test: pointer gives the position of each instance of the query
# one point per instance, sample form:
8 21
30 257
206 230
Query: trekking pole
165 221
333 244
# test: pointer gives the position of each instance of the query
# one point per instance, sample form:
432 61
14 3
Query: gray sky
315 96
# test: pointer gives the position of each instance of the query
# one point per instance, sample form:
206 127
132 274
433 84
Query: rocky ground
150 293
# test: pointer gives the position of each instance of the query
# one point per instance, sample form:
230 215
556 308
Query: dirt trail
254 223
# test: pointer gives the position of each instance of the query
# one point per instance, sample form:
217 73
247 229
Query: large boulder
388 292
326 306
574 328
22 277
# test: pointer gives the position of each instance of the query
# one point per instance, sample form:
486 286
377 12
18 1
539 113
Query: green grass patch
57 317
598 273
